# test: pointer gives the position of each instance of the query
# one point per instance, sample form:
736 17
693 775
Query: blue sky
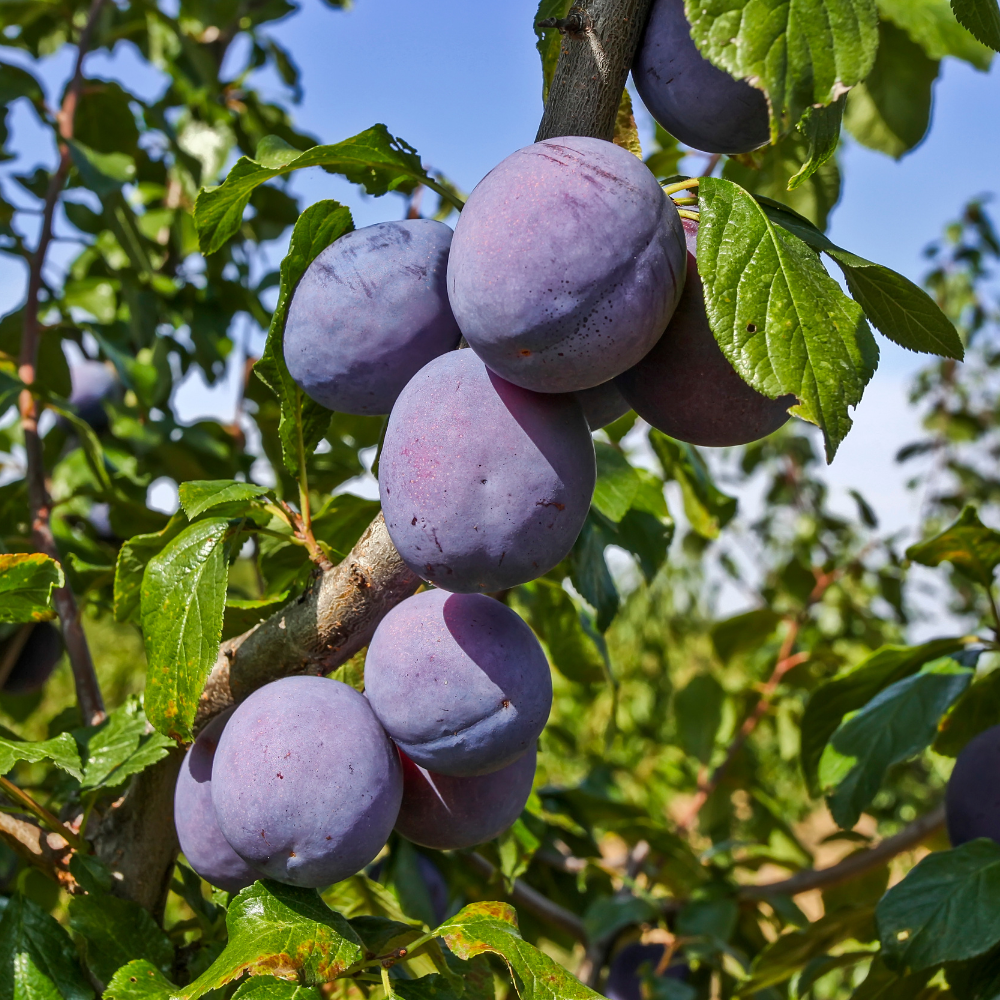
461 83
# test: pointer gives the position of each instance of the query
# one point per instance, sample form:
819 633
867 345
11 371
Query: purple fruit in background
369 313
602 404
484 485
206 849
437 887
458 681
306 785
972 800
686 388
625 974
693 100
93 382
566 265
451 813
35 661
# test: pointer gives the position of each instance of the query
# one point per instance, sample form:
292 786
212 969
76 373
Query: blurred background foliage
650 809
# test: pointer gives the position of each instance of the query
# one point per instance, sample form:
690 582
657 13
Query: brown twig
26 802
87 689
533 901
857 864
45 851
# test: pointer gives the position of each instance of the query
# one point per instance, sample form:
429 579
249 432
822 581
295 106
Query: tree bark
593 67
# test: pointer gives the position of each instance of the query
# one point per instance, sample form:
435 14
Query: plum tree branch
594 63
88 691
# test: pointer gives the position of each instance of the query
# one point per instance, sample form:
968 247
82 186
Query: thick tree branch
87 690
857 864
593 66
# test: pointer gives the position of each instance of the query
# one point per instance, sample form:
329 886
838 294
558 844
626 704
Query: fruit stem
385 983
691 182
685 201
686 213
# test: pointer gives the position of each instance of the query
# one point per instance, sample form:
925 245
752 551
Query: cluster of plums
304 781
573 280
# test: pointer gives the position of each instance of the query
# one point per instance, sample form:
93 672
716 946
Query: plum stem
686 213
691 182
88 691
575 22
685 201
385 982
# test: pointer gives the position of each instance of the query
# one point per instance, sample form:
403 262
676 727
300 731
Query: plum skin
624 981
484 485
39 656
687 388
370 311
695 101
447 813
566 264
306 785
602 404
972 798
458 681
202 843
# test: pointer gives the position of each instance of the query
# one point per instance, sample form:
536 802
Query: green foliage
968 545
982 18
26 584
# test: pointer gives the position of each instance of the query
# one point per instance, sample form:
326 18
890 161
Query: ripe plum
566 265
369 313
451 813
484 485
36 660
306 785
602 404
972 799
693 100
625 974
686 388
458 681
206 849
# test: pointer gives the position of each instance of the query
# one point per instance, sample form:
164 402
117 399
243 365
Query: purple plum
458 681
306 785
93 382
686 388
484 485
35 662
369 313
206 849
693 100
625 973
451 813
567 263
602 404
972 799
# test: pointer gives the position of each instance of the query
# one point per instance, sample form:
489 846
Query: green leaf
895 725
609 914
140 980
27 580
617 482
853 689
944 910
982 18
665 156
897 308
432 987
492 927
373 158
37 958
771 172
934 27
103 173
968 545
708 509
882 983
241 616
799 53
821 129
183 600
269 988
121 746
975 712
203 494
281 930
780 319
743 632
589 569
698 713
61 750
891 111
116 931
792 951
517 845
549 40
16 82
557 621
303 421
133 558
